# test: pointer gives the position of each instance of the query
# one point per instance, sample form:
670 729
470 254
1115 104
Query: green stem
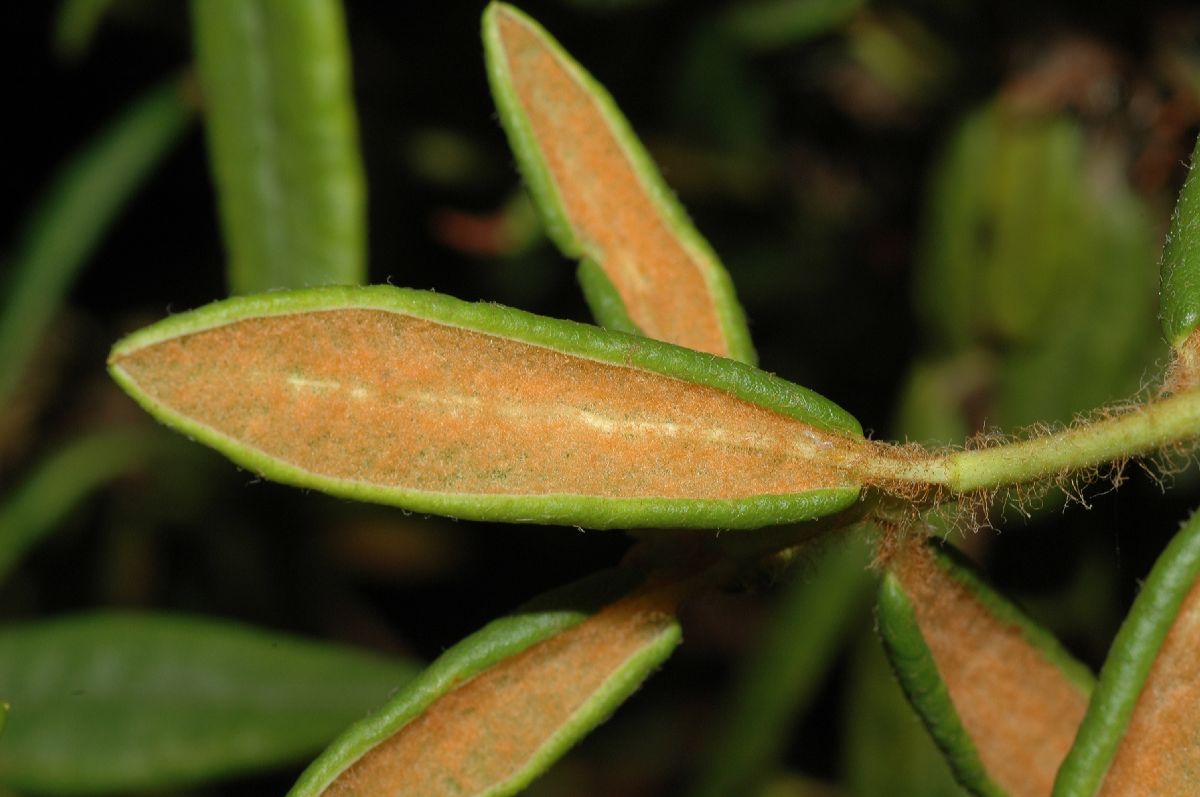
1162 423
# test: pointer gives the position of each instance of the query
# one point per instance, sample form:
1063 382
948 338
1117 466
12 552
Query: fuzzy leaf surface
643 264
1138 736
999 695
483 412
498 708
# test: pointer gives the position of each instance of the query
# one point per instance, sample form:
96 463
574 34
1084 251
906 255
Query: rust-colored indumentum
1018 708
391 400
660 279
486 731
1157 754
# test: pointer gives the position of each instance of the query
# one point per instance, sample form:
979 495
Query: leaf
75 26
769 24
499 707
785 670
70 219
62 479
998 694
886 751
113 701
1180 295
643 264
483 412
282 141
1138 736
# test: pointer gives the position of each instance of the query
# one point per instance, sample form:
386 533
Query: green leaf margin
546 194
581 340
536 621
914 666
1129 663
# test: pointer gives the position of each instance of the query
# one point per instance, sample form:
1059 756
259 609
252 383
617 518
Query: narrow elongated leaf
1139 735
69 221
110 702
767 24
283 141
643 263
479 411
803 637
886 751
76 24
1180 295
999 695
61 480
502 705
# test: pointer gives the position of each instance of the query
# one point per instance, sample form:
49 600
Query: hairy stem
1162 423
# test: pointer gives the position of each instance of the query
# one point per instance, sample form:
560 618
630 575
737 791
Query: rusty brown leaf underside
393 400
1160 750
1018 708
660 280
486 731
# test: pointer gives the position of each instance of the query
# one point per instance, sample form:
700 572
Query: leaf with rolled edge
283 141
643 265
118 702
483 412
998 693
500 707
1180 294
1139 734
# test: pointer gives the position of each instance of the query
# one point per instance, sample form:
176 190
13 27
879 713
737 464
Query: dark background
805 171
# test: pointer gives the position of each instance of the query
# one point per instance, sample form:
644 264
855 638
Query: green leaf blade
500 707
436 405
603 199
71 218
116 701
283 142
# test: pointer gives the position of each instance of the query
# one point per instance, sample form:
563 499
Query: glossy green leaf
1139 731
69 221
483 412
782 675
602 198
112 701
56 485
283 141
1180 295
768 24
500 707
999 695
76 24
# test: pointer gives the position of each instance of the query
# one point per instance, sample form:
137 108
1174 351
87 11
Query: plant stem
1138 431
